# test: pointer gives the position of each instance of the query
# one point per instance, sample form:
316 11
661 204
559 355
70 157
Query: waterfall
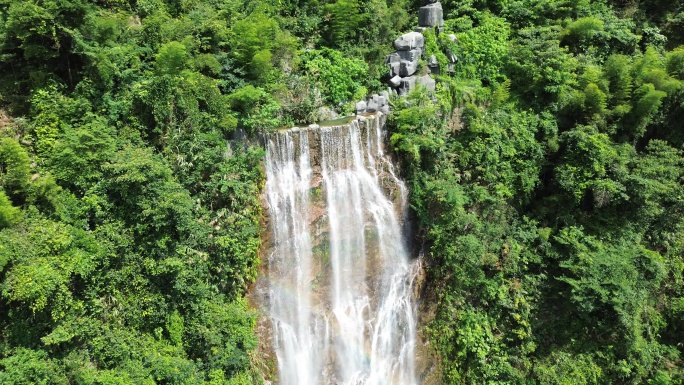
340 281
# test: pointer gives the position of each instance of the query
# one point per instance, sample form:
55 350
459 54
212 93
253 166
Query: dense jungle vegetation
546 179
553 214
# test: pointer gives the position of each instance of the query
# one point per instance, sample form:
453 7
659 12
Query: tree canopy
546 176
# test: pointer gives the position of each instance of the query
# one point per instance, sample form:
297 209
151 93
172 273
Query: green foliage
433 48
29 367
543 70
171 59
590 158
581 32
36 45
80 152
481 50
14 167
413 135
617 70
128 232
254 41
258 110
675 63
345 19
339 77
549 205
546 179
9 215
502 151
565 368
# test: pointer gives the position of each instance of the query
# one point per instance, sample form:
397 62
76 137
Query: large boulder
372 106
408 63
361 107
407 68
427 82
393 61
411 55
395 81
409 41
407 84
431 15
392 58
380 99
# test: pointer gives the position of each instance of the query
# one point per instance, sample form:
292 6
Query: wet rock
239 135
409 41
431 15
372 106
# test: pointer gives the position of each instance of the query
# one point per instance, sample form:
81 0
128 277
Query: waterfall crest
339 280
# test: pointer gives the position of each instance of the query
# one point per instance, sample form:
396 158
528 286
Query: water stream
339 280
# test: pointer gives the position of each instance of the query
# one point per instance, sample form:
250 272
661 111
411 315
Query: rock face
394 62
407 84
404 63
427 82
412 55
431 15
407 68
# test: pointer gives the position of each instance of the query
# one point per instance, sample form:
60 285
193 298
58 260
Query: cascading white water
339 275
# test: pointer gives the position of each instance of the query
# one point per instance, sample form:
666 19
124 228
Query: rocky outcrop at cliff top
410 47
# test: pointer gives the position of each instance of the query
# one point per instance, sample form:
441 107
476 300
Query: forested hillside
129 200
552 215
546 181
